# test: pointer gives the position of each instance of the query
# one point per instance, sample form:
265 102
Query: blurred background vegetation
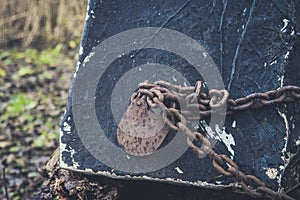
38 50
40 23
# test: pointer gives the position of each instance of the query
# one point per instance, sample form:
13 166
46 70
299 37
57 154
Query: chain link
181 104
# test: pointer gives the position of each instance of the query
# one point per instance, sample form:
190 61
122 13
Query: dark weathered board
251 43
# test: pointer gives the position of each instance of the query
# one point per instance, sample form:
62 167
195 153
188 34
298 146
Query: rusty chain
181 104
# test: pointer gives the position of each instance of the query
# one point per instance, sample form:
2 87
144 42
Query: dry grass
30 22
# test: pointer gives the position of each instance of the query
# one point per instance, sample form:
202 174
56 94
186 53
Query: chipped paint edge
111 174
201 184
221 135
286 156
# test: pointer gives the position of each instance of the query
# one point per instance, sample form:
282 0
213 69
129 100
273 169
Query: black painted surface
246 36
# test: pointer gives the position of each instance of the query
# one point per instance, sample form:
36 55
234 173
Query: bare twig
4 183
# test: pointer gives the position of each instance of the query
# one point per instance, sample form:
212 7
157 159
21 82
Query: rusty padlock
141 130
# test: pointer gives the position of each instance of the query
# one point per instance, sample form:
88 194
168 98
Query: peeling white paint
195 125
76 69
87 59
285 24
111 174
280 79
273 62
233 124
222 136
119 56
285 156
293 125
202 184
75 164
244 12
179 171
62 147
66 127
227 139
286 56
271 172
80 50
281 167
209 130
293 32
87 13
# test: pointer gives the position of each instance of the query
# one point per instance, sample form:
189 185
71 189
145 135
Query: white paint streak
286 56
233 124
285 24
233 67
76 69
280 79
174 79
285 156
87 13
274 62
179 171
80 50
283 115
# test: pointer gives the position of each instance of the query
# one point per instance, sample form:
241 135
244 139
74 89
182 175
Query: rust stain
141 131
